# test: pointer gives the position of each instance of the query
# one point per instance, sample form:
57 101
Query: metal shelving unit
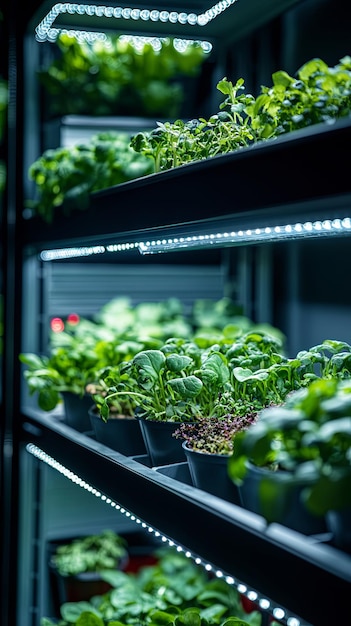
223 535
257 196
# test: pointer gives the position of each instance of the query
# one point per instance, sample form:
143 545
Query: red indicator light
73 319
57 325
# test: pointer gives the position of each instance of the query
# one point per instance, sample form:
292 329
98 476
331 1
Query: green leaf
114 577
34 361
242 374
188 387
160 618
178 362
214 612
89 619
329 430
71 611
282 78
48 399
150 363
312 67
236 621
330 493
217 369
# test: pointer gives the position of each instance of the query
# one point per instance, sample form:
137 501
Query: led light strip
267 234
265 604
137 41
255 235
68 253
45 31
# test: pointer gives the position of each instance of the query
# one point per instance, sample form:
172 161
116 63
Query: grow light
68 253
45 31
264 234
264 603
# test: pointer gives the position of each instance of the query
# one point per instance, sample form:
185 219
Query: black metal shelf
293 570
296 177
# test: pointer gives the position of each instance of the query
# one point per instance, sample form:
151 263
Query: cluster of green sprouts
317 94
181 382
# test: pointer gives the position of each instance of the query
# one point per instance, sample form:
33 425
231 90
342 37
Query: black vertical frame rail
11 270
310 579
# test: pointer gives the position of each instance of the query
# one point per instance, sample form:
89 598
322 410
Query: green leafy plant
174 591
64 370
119 76
176 143
261 377
175 383
83 351
220 319
182 381
309 437
317 94
68 175
118 405
146 320
92 553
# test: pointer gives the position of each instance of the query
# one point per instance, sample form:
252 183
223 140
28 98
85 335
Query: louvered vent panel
84 290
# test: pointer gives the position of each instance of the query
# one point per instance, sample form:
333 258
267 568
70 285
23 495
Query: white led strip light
46 32
255 235
337 226
264 603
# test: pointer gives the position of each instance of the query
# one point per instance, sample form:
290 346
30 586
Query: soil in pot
121 433
209 473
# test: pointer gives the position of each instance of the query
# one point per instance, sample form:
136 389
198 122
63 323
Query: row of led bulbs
44 30
336 226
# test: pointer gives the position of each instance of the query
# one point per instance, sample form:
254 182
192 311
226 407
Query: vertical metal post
10 418
245 280
263 285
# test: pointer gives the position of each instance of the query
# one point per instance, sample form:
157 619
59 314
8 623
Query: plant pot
209 473
273 495
76 410
80 587
161 447
121 433
339 524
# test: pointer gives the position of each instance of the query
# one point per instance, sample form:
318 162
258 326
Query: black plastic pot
76 410
162 448
209 473
274 496
339 524
122 434
80 587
